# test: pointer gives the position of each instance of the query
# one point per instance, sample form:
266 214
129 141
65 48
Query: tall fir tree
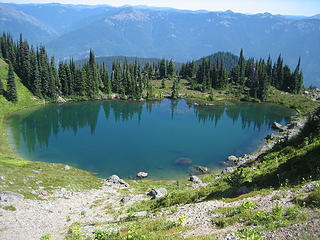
1 87
175 89
171 68
163 68
297 79
11 93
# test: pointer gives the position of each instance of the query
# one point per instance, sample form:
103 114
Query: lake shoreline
187 173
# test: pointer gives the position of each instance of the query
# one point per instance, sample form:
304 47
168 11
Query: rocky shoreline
284 133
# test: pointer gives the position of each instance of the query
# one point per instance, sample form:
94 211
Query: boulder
157 193
228 170
277 126
232 158
1 178
195 180
61 100
67 167
270 136
124 200
141 175
114 180
198 170
183 161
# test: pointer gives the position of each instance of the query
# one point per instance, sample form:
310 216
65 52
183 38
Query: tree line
253 77
44 79
40 74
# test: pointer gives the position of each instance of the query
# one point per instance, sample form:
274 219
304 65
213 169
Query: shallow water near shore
162 138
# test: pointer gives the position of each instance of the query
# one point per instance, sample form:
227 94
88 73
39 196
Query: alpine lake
164 138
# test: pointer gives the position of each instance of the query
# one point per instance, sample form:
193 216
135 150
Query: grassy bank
21 175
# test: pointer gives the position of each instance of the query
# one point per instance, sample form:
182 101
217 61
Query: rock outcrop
116 181
157 193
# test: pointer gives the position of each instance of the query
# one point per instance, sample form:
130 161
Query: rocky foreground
104 208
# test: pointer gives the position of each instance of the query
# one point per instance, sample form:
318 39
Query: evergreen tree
163 84
11 86
171 68
297 79
36 87
175 89
163 69
1 87
242 66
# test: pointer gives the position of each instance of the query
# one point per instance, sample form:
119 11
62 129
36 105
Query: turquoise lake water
123 138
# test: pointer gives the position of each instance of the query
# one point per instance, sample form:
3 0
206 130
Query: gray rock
227 170
67 167
270 136
157 193
36 171
198 170
232 158
116 181
124 200
243 190
38 182
141 214
1 178
142 175
195 180
10 197
277 126
309 187
61 100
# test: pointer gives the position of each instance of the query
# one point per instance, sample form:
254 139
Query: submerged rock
198 170
141 175
114 180
182 161
157 192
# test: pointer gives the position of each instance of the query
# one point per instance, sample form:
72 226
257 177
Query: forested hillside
134 80
164 33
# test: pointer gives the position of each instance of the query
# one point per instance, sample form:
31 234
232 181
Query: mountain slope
62 17
185 35
15 21
182 35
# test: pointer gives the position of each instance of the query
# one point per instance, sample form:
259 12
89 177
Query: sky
285 7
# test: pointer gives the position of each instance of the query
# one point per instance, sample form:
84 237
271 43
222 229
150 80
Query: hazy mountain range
70 30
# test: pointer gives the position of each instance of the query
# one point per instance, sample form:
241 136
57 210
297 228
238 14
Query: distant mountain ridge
71 30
